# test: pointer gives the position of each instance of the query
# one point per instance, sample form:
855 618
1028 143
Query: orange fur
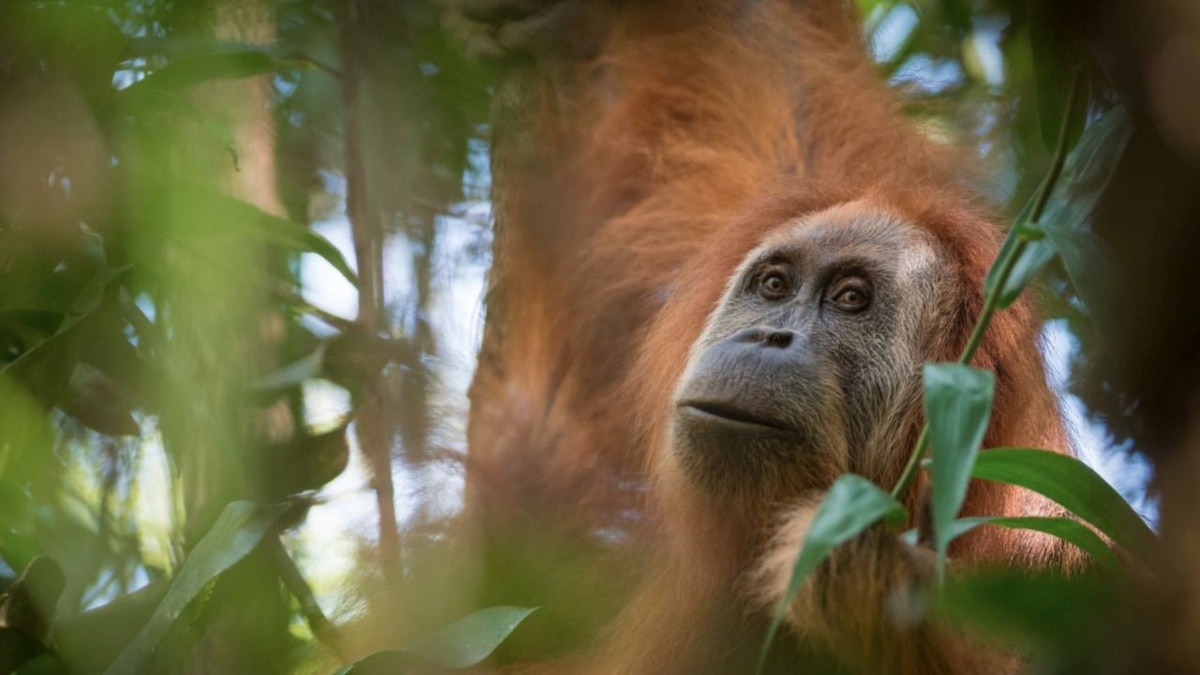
628 188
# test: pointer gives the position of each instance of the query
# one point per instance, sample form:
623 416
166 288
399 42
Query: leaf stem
992 300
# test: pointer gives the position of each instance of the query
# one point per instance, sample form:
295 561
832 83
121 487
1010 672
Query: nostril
779 339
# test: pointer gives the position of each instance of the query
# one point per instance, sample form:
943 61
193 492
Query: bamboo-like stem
992 300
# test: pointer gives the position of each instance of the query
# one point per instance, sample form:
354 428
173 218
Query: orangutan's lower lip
730 415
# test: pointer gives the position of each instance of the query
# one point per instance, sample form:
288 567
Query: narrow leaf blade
1069 530
237 532
958 405
461 644
1073 485
852 505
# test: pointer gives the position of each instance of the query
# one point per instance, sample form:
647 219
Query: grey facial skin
811 364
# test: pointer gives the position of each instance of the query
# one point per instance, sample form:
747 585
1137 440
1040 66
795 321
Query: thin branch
371 426
322 628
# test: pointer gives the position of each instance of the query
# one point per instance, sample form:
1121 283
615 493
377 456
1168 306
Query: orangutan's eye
851 294
774 285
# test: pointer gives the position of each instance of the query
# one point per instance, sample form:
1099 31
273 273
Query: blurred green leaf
1086 173
1085 177
1086 262
1054 612
852 504
1073 485
215 214
1071 531
188 71
95 399
307 462
17 546
237 532
460 645
31 601
47 367
293 374
958 405
1054 72
25 433
17 648
91 641
136 102
16 509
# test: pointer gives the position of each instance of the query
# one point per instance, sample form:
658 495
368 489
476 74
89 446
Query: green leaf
26 449
1053 73
1034 254
218 214
142 100
1086 175
1067 529
958 405
47 367
17 648
1051 611
247 61
460 645
96 400
237 532
30 602
1073 485
1088 169
293 374
852 505
1086 262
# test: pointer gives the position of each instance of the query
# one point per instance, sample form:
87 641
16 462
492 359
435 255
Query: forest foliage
175 176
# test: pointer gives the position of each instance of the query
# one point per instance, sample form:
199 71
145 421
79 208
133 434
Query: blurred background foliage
242 250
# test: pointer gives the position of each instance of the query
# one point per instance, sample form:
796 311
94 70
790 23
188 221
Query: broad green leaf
26 445
1067 529
1088 170
142 100
958 405
18 648
1085 175
237 532
469 640
96 400
228 64
1085 261
460 645
30 602
222 215
1053 73
47 367
1058 614
389 662
852 505
1074 486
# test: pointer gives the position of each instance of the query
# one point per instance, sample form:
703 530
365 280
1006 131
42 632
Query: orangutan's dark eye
774 286
851 294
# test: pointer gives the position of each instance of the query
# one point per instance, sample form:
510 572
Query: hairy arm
865 604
